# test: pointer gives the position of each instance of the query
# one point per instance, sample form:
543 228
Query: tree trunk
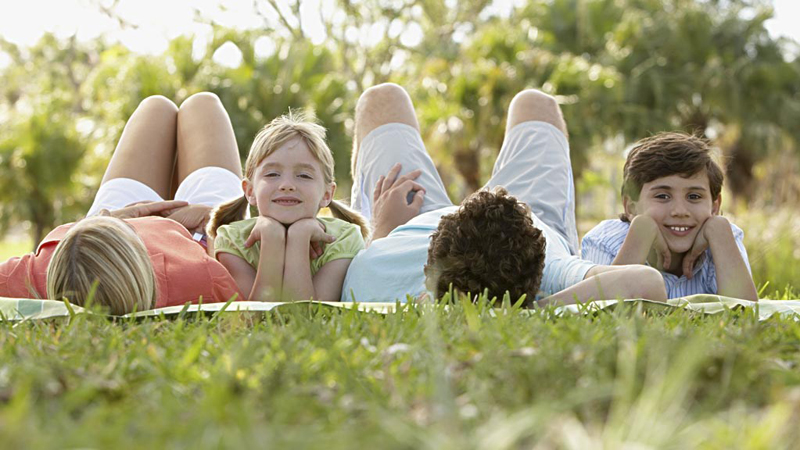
468 165
739 174
38 234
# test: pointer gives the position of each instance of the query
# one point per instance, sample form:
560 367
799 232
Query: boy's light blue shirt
602 243
392 267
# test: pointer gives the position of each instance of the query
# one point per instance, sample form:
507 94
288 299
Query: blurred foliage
621 69
773 246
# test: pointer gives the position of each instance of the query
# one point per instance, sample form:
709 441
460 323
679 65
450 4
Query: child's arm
297 281
612 282
242 272
268 282
264 282
643 237
329 279
733 278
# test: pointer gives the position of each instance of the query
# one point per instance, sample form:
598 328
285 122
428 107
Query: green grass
421 378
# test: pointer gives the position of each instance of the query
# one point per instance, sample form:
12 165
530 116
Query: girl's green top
231 238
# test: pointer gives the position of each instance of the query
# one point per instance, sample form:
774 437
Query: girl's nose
287 187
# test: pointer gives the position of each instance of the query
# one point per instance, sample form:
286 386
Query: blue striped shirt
602 243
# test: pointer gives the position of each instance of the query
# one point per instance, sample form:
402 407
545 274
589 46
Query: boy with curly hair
461 255
671 193
519 238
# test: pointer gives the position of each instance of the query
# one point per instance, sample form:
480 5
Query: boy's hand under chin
645 243
701 242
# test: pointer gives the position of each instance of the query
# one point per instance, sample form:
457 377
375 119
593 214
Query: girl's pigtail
340 211
226 213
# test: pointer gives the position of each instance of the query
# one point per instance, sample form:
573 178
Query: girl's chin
287 220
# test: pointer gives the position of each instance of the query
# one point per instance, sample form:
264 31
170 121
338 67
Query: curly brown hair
489 243
665 154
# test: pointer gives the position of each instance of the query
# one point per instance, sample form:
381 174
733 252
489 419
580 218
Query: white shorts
533 166
381 149
208 186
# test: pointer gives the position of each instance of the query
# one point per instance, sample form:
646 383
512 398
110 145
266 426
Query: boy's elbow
647 283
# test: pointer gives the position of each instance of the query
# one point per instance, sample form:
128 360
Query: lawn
424 377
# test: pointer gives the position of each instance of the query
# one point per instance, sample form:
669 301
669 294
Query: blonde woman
287 252
142 244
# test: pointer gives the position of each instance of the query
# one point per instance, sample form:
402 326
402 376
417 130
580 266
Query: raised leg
376 152
379 105
146 150
534 163
533 105
205 137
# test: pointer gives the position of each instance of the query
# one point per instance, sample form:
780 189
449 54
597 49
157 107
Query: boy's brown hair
489 243
666 154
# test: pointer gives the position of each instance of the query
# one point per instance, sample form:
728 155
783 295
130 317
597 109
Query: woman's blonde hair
272 137
100 256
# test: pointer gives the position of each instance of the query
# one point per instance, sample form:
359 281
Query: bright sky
158 21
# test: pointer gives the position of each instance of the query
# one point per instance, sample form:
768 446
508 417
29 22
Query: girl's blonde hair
101 256
272 137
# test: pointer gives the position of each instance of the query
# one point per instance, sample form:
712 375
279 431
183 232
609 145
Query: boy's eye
662 196
695 196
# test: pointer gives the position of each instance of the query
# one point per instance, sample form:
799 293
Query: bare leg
534 105
379 105
205 137
146 150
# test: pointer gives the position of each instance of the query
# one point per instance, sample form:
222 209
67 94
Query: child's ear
247 187
716 205
327 197
630 207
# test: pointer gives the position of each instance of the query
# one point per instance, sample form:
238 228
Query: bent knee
534 98
535 105
383 94
383 104
201 100
159 104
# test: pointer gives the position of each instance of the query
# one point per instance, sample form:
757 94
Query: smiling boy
671 194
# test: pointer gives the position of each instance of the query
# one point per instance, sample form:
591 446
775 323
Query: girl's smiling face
289 185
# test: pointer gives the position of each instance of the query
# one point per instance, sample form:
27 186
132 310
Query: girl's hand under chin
266 228
311 231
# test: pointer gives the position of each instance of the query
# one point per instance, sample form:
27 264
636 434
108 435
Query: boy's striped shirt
602 243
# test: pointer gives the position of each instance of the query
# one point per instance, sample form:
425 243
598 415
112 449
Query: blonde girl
288 253
136 250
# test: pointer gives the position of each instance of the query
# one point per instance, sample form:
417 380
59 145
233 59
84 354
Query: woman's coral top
184 271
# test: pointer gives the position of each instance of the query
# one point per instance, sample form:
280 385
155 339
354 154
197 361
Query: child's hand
391 204
313 232
143 209
661 249
265 228
648 240
701 242
192 217
316 248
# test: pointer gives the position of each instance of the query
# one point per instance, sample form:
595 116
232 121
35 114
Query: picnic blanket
16 310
